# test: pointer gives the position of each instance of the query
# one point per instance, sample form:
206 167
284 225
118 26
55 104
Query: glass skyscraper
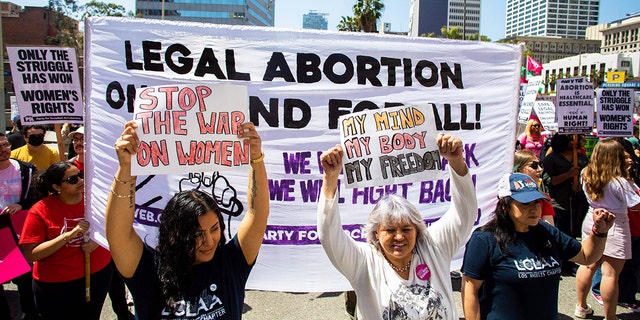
314 20
234 12
431 15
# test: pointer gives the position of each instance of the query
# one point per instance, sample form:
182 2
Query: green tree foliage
367 12
348 24
451 33
66 28
100 9
455 33
365 16
550 82
475 36
596 77
68 14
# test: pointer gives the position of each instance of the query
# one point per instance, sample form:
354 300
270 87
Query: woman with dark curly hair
511 267
194 272
53 237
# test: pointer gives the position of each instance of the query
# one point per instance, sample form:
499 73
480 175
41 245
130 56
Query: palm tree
474 37
367 13
596 77
348 24
550 82
451 33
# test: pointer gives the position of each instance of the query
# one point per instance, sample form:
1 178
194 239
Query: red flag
533 65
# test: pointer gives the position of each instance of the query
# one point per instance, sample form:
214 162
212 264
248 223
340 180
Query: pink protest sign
12 262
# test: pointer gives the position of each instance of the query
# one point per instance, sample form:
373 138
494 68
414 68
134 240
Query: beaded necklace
400 270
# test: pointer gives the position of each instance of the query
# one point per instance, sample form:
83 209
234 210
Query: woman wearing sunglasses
53 237
527 162
532 139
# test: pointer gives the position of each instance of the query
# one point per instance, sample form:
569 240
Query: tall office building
561 18
618 36
314 20
431 15
235 12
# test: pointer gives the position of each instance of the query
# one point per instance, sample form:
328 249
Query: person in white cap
117 292
77 140
511 267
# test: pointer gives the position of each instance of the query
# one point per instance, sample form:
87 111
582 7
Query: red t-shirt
46 220
77 163
546 207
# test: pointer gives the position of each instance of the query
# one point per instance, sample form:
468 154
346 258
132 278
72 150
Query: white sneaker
582 313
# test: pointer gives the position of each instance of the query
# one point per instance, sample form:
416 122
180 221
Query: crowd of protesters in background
570 197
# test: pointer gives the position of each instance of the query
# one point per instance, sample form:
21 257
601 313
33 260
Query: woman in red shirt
53 237
528 163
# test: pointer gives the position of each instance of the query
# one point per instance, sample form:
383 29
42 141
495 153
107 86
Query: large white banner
299 84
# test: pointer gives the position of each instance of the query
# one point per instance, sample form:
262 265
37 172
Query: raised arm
450 148
331 161
124 243
343 252
453 228
253 225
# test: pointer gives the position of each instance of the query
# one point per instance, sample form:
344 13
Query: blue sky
289 12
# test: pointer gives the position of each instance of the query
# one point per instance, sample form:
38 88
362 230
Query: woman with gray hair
403 269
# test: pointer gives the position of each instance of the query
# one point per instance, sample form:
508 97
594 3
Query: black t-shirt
522 284
217 293
16 139
556 164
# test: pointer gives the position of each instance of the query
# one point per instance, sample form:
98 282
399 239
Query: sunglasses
535 125
74 178
535 165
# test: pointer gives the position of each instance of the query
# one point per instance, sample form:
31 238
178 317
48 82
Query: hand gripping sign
190 128
389 146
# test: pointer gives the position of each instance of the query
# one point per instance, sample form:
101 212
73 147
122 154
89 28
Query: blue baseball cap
520 187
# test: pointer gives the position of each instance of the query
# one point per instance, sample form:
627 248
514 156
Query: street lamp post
464 20
3 114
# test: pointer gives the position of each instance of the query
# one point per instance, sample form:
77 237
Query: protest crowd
566 204
536 167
